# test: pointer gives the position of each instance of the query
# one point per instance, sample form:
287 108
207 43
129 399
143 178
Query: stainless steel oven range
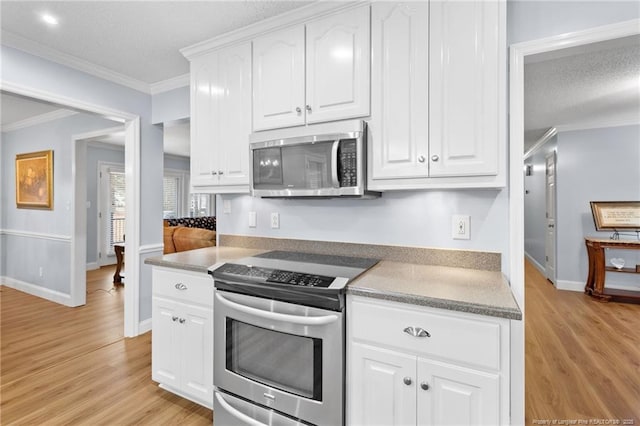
279 338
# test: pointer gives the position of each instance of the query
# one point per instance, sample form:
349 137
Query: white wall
41 238
535 223
170 106
594 165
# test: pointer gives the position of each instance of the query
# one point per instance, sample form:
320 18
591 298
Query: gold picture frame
616 215
34 180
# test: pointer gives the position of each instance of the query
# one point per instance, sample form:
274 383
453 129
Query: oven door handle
236 413
295 319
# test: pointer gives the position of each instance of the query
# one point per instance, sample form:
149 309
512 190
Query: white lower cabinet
182 340
400 371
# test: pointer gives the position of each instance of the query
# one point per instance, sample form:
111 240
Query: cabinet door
165 343
399 126
234 122
278 79
456 395
377 393
465 87
338 70
197 352
204 107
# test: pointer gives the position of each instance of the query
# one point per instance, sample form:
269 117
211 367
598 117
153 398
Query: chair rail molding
38 235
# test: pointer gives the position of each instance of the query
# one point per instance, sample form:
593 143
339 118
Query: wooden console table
598 267
119 249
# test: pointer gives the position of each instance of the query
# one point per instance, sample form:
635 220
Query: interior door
111 211
550 240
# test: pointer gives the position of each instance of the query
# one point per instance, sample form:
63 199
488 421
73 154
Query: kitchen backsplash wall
407 218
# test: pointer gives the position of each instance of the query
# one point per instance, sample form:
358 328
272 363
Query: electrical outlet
41 272
253 218
275 220
460 227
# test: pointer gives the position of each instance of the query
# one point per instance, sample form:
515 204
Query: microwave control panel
348 169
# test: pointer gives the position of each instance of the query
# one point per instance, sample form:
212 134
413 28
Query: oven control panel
275 275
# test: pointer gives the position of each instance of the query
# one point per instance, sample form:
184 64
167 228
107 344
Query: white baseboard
535 263
570 285
38 291
92 266
144 326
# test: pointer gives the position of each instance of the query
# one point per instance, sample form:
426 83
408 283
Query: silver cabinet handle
220 172
407 381
309 108
424 386
180 286
174 319
298 110
213 173
182 320
417 332
434 158
421 159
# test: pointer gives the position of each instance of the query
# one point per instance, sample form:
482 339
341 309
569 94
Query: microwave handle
334 164
268 315
236 413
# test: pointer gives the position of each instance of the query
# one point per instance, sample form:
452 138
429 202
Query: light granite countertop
458 289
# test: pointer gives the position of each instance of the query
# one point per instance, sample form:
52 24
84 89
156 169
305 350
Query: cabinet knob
213 172
424 386
298 110
421 159
434 158
220 172
174 319
309 108
180 286
407 381
182 320
416 332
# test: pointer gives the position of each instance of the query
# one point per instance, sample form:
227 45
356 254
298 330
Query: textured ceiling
14 109
140 39
587 85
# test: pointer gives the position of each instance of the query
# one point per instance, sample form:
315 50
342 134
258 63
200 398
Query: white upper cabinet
220 120
338 57
399 125
438 95
278 79
313 73
465 82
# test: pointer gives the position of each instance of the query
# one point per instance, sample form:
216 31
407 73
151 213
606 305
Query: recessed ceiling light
49 19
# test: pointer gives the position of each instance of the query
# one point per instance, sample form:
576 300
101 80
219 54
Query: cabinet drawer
452 337
183 285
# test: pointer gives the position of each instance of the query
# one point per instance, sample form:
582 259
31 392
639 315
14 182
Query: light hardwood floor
582 356
69 366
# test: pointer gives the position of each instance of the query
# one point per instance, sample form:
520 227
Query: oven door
286 357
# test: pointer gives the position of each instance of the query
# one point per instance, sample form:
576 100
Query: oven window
285 361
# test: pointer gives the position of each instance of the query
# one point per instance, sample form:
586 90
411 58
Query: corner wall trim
570 285
150 248
38 235
92 266
38 291
145 326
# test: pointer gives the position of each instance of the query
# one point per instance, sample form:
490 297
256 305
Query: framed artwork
616 215
34 180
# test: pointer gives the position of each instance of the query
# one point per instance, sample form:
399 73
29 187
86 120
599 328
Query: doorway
518 53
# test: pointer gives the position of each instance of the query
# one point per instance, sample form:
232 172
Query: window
117 210
175 194
202 205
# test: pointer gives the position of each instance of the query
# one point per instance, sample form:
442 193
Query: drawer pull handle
417 332
407 381
181 286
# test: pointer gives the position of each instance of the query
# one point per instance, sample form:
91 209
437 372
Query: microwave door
308 167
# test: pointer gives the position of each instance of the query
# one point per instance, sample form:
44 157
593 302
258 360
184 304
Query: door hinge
546 258
99 255
99 215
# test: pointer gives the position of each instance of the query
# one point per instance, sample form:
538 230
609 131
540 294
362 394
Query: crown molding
38 119
599 125
541 142
34 48
300 15
170 84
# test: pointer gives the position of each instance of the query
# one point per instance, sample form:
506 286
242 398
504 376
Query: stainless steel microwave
322 160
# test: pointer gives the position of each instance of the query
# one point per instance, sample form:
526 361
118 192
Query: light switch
253 219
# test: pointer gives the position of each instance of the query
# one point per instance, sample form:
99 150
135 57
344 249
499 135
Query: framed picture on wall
616 215
34 180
